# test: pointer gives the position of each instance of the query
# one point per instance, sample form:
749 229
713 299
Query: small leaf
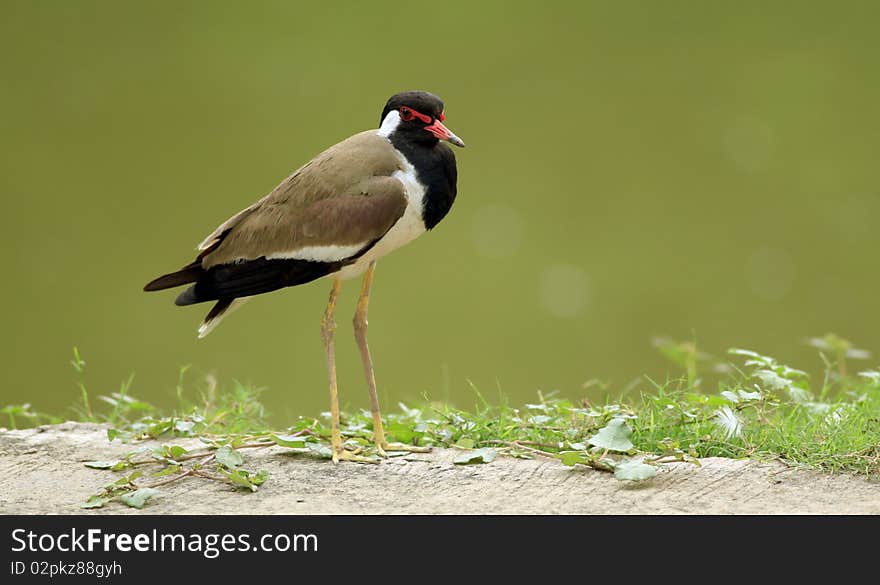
320 449
184 426
138 498
291 441
169 470
239 478
788 372
123 436
94 502
571 457
739 396
401 432
731 396
749 395
772 380
160 428
260 477
614 436
745 352
229 457
465 443
176 451
631 470
485 455
102 464
769 363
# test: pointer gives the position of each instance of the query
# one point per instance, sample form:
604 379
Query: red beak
444 133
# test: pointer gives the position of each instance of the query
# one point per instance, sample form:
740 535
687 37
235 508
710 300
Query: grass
758 408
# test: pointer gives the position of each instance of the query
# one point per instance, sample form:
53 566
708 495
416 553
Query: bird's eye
406 114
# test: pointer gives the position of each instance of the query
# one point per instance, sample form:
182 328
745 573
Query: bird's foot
343 454
384 446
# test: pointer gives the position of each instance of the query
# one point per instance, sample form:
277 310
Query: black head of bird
334 217
416 116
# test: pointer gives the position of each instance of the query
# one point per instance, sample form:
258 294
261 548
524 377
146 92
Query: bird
333 218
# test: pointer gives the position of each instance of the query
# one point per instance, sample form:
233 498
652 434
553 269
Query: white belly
408 227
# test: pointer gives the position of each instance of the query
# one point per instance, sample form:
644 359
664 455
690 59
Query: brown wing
344 198
243 265
328 229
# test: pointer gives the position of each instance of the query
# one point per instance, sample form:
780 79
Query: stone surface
41 472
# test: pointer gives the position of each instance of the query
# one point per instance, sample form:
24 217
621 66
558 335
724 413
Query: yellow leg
360 334
328 327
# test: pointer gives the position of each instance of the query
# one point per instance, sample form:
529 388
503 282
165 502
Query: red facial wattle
434 126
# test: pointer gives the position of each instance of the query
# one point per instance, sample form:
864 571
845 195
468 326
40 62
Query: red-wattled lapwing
335 217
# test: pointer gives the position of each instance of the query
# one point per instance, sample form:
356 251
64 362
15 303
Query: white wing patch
332 253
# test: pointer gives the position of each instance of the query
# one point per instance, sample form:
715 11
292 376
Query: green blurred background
691 169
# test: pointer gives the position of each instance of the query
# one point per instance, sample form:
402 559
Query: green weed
760 408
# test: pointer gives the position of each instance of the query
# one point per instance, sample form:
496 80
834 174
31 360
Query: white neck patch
389 124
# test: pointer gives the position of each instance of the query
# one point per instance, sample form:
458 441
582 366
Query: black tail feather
188 297
217 313
218 309
187 274
253 277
